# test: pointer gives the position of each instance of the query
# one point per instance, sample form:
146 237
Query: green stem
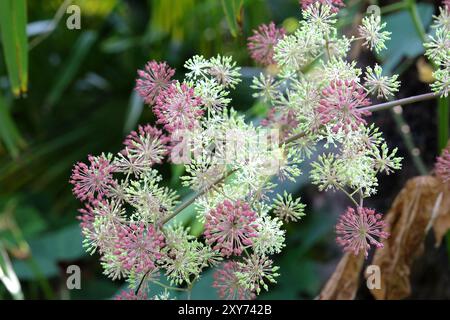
397 6
443 122
400 102
409 143
443 108
169 287
349 196
412 7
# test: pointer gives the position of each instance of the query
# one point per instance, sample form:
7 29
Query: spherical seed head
356 230
231 227
335 5
227 283
178 108
138 246
93 181
261 44
340 105
442 166
147 143
153 79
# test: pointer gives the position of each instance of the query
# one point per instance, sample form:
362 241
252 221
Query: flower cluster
371 30
384 86
155 78
438 51
263 41
231 226
317 98
357 230
339 106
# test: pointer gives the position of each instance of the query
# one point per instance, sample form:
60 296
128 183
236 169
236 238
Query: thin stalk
169 287
349 196
443 122
409 143
443 108
400 102
397 6
412 7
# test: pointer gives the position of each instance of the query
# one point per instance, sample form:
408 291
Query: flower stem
169 287
397 6
411 5
348 195
400 102
443 122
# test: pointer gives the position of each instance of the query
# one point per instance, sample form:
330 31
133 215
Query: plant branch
400 102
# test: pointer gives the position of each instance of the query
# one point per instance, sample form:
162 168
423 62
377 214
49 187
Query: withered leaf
408 222
344 282
441 223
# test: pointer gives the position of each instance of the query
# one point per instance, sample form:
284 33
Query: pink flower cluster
148 143
261 44
175 105
138 246
357 230
94 180
178 108
227 283
335 5
340 105
231 226
155 78
442 166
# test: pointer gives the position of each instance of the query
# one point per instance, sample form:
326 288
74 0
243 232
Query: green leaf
47 250
9 134
64 244
80 50
135 108
232 10
13 22
404 42
25 271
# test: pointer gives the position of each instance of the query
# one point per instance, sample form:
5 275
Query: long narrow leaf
232 9
80 51
135 107
9 134
13 24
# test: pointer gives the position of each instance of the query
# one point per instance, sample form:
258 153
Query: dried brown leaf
441 223
408 223
344 282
